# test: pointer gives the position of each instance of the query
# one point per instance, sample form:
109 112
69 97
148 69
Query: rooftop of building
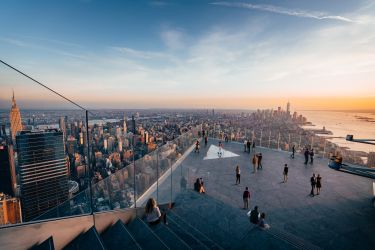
341 217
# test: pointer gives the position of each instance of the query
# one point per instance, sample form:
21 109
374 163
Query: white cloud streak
284 11
50 49
173 39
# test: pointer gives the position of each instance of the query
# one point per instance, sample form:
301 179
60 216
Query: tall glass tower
43 171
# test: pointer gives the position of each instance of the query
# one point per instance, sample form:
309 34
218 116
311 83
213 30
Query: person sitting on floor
153 215
254 215
262 223
198 186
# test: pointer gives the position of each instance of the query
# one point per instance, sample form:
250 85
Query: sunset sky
180 54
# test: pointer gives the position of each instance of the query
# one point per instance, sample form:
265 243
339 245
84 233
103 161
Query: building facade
43 171
10 210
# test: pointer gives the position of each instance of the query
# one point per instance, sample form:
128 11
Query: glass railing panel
166 158
36 122
179 180
147 173
284 141
101 195
77 205
257 137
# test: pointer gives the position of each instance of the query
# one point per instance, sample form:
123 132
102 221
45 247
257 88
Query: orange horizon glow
100 102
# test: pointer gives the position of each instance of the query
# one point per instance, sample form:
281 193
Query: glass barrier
107 167
324 146
150 176
43 137
98 166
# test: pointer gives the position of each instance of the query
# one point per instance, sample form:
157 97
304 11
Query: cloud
284 11
173 39
140 53
14 42
50 49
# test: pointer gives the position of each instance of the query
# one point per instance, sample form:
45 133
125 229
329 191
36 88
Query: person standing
205 140
246 198
248 144
313 184
238 175
220 152
285 173
306 153
318 184
312 156
260 156
244 145
255 162
293 152
196 147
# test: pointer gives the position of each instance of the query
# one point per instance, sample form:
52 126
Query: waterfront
342 124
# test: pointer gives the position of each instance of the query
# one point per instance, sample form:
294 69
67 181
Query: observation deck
341 217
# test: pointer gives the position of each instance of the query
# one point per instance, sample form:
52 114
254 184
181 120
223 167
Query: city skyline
115 112
244 54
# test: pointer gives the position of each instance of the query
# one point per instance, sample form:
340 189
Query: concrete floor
341 217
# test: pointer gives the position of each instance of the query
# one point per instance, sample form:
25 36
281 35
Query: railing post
134 188
278 142
288 141
170 204
88 165
260 141
252 138
269 140
157 173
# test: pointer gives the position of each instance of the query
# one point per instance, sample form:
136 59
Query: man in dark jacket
254 215
313 184
306 155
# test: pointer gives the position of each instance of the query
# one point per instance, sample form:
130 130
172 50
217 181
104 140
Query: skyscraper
133 125
7 170
288 107
62 126
15 119
125 127
43 171
71 145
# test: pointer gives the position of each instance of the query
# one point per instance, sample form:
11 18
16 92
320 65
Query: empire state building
15 119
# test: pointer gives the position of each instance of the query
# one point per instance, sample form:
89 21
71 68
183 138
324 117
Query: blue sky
235 54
